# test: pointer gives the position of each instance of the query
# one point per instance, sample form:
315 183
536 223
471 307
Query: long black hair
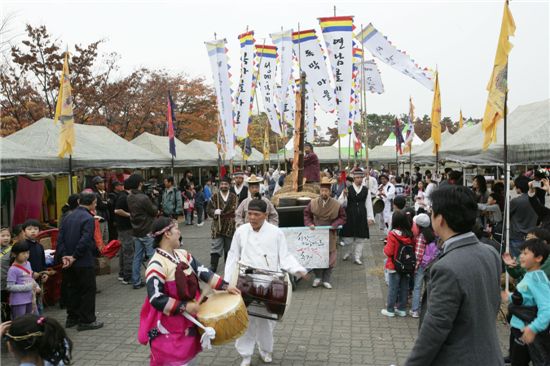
481 183
400 221
40 336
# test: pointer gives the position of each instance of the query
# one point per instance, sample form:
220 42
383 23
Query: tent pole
71 188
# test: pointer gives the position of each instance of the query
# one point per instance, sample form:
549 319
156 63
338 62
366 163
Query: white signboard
309 247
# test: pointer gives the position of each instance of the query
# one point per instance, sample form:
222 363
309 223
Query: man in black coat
77 248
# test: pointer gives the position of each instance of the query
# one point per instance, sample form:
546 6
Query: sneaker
327 285
342 243
120 278
124 282
201 224
414 314
89 326
401 313
69 323
137 287
358 261
387 313
316 282
246 361
265 356
346 257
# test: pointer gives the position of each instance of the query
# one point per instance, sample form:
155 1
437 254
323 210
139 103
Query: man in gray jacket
463 290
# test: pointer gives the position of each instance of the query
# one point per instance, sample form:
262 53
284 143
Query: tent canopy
18 159
185 155
95 147
528 139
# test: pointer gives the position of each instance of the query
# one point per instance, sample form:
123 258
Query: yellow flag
436 116
460 121
497 87
64 112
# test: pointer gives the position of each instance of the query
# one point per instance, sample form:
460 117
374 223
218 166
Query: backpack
404 259
430 254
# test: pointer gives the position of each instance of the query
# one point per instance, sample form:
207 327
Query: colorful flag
217 52
357 145
338 35
436 116
398 136
383 49
283 41
410 124
64 112
312 62
171 117
245 92
498 83
460 121
268 69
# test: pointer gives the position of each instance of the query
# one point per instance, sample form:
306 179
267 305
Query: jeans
141 246
200 213
514 247
189 217
417 291
399 286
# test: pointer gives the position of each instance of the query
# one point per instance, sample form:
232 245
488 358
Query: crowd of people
443 242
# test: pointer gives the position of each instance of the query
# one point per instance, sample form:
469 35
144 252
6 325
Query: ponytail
40 336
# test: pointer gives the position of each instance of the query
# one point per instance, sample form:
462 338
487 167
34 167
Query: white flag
338 35
373 80
312 61
268 68
245 91
222 84
283 42
381 48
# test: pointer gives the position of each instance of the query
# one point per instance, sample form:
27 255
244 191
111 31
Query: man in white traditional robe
261 245
387 193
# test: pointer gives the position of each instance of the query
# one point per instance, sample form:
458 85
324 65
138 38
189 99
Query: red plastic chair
52 287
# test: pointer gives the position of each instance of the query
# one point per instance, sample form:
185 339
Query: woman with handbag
172 290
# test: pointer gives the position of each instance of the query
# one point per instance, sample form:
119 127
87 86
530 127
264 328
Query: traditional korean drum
377 205
227 314
266 294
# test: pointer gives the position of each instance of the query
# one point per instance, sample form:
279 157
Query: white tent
18 159
424 153
390 141
528 139
95 147
185 155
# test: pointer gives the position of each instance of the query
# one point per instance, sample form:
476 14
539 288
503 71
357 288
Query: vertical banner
373 80
309 128
245 92
283 41
217 52
382 48
312 62
64 112
338 35
267 70
356 86
410 130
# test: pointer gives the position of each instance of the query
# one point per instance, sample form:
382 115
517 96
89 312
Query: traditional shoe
316 282
346 257
327 285
358 261
246 361
387 313
265 356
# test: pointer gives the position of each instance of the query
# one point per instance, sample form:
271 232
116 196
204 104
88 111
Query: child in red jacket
400 264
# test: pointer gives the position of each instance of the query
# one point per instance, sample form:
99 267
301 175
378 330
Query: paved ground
342 326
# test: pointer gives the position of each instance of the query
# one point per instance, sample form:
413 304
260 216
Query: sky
457 37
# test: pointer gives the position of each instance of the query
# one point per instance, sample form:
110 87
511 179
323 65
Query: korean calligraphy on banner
267 71
245 93
338 35
217 53
309 247
309 116
356 85
283 42
312 62
381 48
373 80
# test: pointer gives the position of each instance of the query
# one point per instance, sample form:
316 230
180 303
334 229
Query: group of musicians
244 230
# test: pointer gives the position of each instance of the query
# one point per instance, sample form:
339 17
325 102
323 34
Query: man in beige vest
325 211
241 215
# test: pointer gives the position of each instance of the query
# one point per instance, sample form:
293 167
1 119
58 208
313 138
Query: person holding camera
142 214
171 202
